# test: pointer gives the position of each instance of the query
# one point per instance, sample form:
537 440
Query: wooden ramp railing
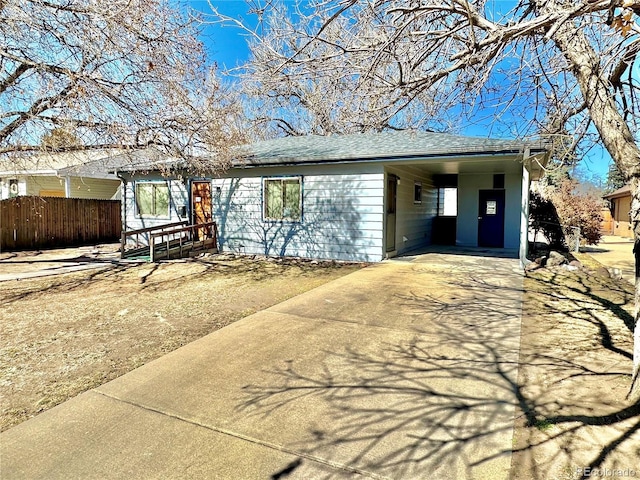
134 243
172 240
199 237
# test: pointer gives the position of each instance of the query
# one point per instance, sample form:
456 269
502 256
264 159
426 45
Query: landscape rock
556 259
542 261
615 273
532 266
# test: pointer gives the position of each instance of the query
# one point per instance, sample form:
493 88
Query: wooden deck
169 241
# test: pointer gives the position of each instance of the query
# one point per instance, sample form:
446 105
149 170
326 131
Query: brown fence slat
40 222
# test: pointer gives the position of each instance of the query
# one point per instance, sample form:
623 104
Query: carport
474 199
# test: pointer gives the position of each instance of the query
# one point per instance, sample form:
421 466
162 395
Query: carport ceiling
511 164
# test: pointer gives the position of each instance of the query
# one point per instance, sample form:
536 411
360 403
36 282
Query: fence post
576 234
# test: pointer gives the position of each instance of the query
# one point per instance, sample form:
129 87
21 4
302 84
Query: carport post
524 213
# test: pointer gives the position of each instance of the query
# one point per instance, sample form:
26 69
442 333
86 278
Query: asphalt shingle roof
369 146
310 149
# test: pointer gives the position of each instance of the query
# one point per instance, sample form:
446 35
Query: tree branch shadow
443 403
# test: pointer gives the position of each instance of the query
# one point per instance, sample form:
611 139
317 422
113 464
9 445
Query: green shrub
544 219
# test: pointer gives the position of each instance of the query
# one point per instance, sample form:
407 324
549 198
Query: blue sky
227 46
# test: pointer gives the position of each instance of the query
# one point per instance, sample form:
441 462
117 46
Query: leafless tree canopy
291 90
363 64
88 74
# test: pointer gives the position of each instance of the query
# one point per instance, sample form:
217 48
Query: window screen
283 199
152 199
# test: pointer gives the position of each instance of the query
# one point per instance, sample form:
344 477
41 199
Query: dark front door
392 194
491 219
201 207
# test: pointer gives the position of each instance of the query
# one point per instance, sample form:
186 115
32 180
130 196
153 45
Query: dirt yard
575 365
65 334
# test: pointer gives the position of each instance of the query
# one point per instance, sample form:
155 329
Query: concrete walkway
36 264
59 269
402 370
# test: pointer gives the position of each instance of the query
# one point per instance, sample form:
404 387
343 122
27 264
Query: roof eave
380 159
614 196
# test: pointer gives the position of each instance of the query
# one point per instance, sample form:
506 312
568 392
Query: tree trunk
616 137
634 392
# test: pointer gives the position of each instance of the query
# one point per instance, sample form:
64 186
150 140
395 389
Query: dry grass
65 334
575 366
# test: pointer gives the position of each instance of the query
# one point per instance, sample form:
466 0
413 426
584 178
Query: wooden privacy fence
37 222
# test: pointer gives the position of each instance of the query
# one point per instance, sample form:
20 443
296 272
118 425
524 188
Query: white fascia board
28 173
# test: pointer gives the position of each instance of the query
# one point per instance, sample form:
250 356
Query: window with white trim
152 199
282 199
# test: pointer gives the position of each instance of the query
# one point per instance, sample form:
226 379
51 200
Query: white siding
342 215
4 187
469 186
513 210
80 188
524 216
413 220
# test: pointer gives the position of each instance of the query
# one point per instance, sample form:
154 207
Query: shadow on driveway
400 370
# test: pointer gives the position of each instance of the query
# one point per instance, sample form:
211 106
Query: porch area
429 251
458 206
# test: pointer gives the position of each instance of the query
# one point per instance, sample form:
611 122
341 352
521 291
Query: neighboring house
620 207
90 213
358 197
60 175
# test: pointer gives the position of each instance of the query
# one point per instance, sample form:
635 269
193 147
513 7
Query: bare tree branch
13 77
128 72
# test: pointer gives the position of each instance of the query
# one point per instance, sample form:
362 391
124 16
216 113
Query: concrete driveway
404 369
